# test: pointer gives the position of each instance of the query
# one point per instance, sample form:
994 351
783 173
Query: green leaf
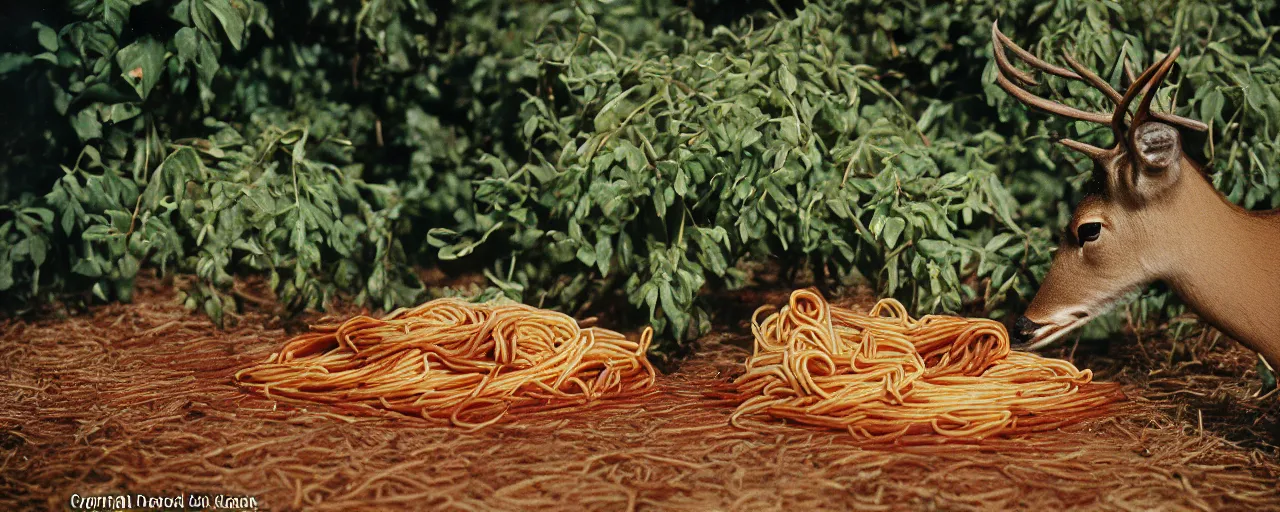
10 62
607 118
636 161
604 253
668 301
998 242
47 37
787 80
790 130
299 238
893 227
86 125
1211 108
186 41
45 215
586 255
891 269
95 233
121 112
120 220
1256 96
6 274
232 21
87 267
129 266
530 128
141 64
114 15
20 249
213 308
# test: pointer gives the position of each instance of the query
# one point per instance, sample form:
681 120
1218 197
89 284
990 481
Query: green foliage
655 167
579 151
261 177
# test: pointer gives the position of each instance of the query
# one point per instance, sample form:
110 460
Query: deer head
1150 215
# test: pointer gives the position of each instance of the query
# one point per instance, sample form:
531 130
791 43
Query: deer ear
1157 146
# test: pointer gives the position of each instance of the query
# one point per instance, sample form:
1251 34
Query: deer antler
1144 109
1148 81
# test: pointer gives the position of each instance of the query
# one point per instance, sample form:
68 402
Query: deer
1150 214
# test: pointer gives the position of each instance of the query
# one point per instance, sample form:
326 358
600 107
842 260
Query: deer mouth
1048 334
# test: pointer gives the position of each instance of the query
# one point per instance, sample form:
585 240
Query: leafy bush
654 167
579 152
261 176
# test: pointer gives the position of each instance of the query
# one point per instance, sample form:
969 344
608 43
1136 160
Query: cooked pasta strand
888 378
450 359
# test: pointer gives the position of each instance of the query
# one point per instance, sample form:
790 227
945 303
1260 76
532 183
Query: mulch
138 399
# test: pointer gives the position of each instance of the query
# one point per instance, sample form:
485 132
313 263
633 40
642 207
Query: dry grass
139 398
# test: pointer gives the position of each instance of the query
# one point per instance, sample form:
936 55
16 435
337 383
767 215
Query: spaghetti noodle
451 359
886 377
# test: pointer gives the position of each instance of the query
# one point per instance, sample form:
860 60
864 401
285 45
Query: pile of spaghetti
886 377
451 359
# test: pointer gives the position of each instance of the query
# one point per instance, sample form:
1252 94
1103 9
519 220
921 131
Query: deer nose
1023 329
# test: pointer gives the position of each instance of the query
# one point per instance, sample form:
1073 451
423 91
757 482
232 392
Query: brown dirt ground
138 398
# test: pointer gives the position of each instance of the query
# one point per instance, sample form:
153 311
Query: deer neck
1225 263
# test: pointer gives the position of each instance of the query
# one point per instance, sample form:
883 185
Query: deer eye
1088 231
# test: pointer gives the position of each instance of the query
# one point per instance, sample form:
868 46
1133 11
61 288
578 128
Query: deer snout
1022 330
